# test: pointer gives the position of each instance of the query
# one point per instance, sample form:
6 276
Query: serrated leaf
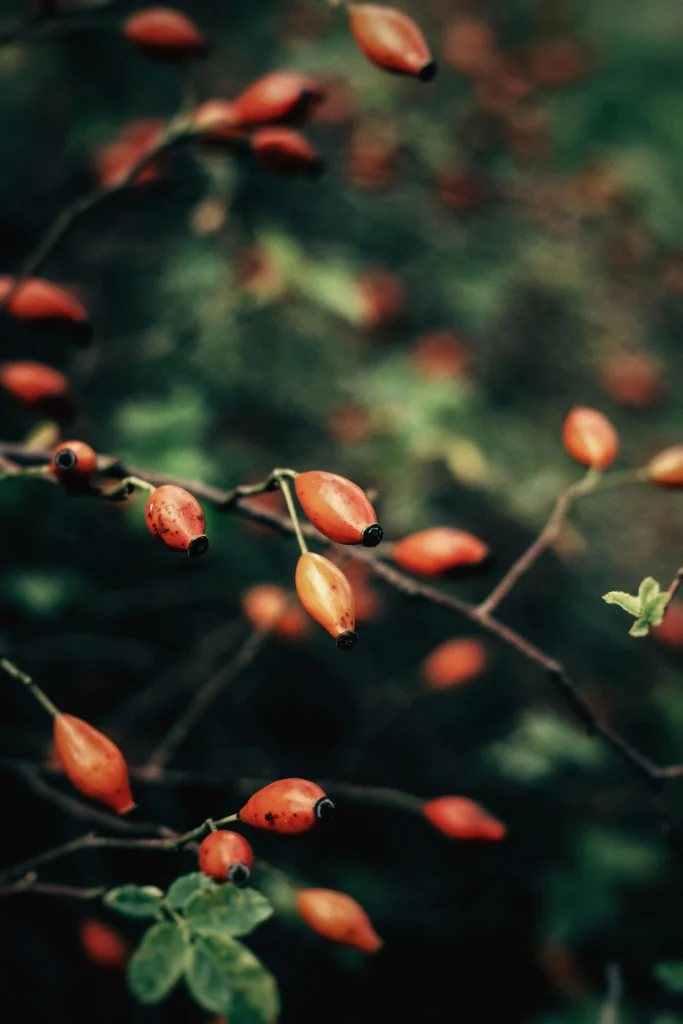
639 628
648 590
158 963
656 609
226 911
135 900
225 977
670 973
629 603
185 887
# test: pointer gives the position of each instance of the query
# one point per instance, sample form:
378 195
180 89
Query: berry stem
226 821
126 487
291 508
13 670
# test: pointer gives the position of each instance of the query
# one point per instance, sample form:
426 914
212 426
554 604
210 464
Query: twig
30 883
654 776
609 1013
545 539
202 700
68 217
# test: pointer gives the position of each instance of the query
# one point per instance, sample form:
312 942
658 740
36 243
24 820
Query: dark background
554 257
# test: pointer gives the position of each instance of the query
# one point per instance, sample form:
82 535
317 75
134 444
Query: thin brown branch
65 220
204 698
30 883
653 775
545 539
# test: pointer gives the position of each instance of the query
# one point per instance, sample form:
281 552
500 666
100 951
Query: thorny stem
12 670
654 776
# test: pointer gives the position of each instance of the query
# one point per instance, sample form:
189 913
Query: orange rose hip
337 917
165 34
43 303
460 818
73 463
338 508
666 468
327 596
438 550
590 438
92 763
288 806
175 517
226 857
391 40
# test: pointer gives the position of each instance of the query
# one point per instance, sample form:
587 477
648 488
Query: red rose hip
92 763
40 387
337 917
226 857
102 945
175 517
392 40
438 550
460 818
48 305
165 34
328 597
287 152
279 97
73 463
590 438
338 508
666 468
288 806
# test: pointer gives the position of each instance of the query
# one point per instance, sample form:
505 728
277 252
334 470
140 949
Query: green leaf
656 609
670 973
629 603
224 977
639 628
226 910
648 591
185 887
135 900
158 963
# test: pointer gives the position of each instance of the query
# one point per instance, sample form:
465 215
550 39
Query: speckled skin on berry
288 806
93 763
176 518
222 854
327 596
338 508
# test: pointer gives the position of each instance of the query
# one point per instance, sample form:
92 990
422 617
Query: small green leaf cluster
195 934
648 607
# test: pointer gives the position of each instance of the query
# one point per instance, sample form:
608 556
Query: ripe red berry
93 763
590 438
392 40
44 304
175 517
226 857
40 387
337 917
666 468
288 806
438 550
460 818
327 596
277 98
102 945
165 34
73 463
440 354
285 151
267 606
454 662
338 508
